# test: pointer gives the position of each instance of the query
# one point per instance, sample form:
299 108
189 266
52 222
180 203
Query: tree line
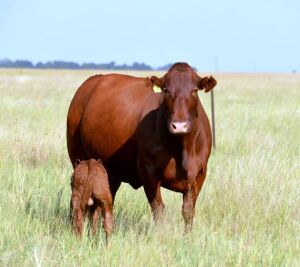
57 64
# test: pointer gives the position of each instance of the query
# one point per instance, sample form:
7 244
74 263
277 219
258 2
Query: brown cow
145 138
90 193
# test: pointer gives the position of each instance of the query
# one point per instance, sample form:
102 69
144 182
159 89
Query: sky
224 35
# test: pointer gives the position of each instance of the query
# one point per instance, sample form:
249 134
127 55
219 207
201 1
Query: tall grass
248 212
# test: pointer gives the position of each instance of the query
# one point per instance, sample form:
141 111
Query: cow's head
179 87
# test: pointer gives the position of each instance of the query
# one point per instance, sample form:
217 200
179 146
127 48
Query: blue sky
260 35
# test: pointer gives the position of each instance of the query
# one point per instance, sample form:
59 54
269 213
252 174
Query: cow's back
103 117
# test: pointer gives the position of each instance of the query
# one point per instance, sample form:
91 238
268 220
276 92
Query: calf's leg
107 222
104 193
77 220
95 214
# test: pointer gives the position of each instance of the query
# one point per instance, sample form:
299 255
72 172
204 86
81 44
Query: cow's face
179 87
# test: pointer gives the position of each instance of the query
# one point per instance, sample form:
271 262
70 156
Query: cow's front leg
190 198
151 184
188 209
152 190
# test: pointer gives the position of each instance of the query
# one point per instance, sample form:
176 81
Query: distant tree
6 63
23 64
168 66
165 67
59 64
140 66
89 66
39 65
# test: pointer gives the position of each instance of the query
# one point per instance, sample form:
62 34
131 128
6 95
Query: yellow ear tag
156 89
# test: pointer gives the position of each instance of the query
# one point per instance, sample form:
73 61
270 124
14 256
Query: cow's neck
183 145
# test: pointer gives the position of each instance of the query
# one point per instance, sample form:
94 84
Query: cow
90 194
145 138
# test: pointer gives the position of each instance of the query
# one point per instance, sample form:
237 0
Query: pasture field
247 214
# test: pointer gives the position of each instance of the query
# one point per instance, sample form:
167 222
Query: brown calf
90 193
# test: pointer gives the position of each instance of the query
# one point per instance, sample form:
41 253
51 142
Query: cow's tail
76 110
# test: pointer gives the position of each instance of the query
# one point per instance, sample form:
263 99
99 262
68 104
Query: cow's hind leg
114 185
71 211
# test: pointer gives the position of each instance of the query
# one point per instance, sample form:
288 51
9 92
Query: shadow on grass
139 223
48 211
54 214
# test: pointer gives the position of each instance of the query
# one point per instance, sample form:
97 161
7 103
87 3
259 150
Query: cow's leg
71 200
190 198
76 214
107 218
107 209
95 214
103 197
114 185
77 220
152 190
151 184
71 211
188 209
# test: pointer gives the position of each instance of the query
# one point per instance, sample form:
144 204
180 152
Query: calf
90 193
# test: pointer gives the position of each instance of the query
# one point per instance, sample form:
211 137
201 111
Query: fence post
212 100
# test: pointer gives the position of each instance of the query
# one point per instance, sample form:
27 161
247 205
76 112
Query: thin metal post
212 100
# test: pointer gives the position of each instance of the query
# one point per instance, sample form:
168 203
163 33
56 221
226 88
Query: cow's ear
207 83
159 82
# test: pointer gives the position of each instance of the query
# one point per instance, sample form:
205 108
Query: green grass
247 214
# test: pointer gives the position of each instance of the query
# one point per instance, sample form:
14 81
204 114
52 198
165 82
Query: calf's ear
207 83
159 82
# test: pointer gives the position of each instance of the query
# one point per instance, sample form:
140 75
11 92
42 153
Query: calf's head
179 87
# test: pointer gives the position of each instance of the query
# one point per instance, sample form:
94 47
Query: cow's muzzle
179 127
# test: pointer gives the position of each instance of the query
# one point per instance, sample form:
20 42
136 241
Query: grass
248 212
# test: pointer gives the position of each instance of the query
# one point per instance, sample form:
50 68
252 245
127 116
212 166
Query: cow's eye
165 90
195 90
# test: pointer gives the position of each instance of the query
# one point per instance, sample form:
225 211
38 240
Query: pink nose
179 127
